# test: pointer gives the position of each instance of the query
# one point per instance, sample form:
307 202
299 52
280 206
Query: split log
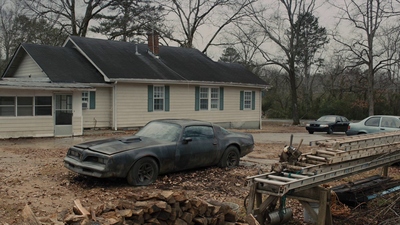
81 210
29 217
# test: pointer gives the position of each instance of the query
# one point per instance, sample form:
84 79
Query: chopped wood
164 208
29 217
252 220
80 208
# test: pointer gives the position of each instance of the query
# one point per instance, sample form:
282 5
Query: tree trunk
295 108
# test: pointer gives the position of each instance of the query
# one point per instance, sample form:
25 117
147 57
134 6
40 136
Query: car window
161 131
373 122
390 122
344 119
327 118
199 132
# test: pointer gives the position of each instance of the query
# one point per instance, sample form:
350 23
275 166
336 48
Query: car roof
184 122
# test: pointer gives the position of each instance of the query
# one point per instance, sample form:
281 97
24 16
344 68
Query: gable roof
62 65
128 61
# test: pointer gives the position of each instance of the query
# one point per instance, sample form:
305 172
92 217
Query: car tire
143 172
310 132
230 158
330 131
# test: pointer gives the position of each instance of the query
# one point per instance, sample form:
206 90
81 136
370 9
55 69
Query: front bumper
87 168
317 129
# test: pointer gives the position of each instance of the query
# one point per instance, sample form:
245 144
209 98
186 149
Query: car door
372 125
198 147
389 123
342 124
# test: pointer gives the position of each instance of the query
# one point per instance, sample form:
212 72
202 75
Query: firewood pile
165 207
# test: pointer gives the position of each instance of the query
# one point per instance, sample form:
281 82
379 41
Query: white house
94 83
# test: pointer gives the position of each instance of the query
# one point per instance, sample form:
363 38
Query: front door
63 115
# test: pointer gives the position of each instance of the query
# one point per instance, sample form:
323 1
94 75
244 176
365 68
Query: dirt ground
32 173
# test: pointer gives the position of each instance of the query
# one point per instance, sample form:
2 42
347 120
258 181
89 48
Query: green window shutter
241 99
221 98
253 100
167 98
92 96
197 99
150 98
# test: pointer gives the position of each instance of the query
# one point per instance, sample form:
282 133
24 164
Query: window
209 98
203 98
247 100
199 132
158 98
373 122
24 106
7 106
88 100
43 106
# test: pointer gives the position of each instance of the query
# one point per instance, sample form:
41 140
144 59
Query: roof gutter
186 82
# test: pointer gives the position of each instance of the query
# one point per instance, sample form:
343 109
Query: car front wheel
330 131
143 172
310 132
230 158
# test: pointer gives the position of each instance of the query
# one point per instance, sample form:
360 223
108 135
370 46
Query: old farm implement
301 175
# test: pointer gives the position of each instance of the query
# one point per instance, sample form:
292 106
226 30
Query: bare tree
9 11
74 16
216 15
367 18
279 23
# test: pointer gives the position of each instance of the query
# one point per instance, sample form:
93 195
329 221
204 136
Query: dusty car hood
112 146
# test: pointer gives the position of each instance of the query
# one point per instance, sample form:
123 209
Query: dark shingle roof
119 60
60 64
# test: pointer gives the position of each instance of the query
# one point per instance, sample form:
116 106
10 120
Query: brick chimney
152 41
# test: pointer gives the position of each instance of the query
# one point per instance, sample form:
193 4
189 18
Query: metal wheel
230 158
143 172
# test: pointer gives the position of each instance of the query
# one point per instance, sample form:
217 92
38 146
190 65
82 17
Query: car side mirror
187 140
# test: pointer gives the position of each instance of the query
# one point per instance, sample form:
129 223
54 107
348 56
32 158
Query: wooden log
187 217
251 220
80 209
29 217
231 216
180 222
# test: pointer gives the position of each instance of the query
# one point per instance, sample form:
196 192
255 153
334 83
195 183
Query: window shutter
241 99
92 99
253 100
197 99
150 98
167 98
221 98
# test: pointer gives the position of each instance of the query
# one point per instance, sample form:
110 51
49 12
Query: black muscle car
160 147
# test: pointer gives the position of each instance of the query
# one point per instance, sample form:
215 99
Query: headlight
74 153
102 160
323 125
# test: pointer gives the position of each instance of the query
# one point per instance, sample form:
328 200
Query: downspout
260 111
114 106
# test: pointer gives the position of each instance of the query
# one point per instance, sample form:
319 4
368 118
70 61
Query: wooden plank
29 217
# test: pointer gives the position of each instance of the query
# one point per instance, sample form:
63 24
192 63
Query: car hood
112 146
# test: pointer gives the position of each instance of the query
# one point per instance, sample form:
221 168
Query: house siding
101 116
29 69
132 108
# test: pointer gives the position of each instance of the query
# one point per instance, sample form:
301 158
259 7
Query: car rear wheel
230 158
310 132
143 172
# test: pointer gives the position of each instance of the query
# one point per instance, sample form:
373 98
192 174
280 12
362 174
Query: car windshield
161 131
327 119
